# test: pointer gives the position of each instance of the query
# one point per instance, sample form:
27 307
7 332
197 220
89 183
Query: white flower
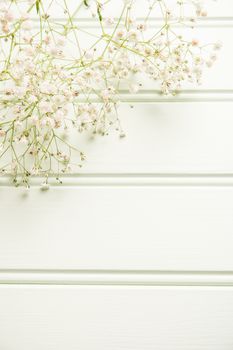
141 27
18 124
2 133
195 42
45 107
58 100
34 119
54 50
23 140
32 99
217 46
27 25
109 21
134 88
44 186
47 88
9 16
29 51
20 91
88 55
58 116
108 93
24 16
133 35
61 42
120 34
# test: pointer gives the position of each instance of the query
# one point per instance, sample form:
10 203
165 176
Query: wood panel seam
208 22
116 277
131 180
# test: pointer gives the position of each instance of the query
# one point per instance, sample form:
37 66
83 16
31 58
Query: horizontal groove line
121 278
206 91
153 21
132 180
155 96
185 92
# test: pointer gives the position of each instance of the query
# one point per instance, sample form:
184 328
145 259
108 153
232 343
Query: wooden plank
117 228
218 77
222 8
180 138
103 318
164 138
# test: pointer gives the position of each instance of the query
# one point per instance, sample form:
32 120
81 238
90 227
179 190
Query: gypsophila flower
54 82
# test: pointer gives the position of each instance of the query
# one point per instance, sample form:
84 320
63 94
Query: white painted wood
136 252
104 318
117 228
217 27
181 137
164 138
215 8
218 77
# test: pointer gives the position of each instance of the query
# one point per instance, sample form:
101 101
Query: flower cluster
58 76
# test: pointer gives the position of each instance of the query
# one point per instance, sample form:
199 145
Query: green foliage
38 6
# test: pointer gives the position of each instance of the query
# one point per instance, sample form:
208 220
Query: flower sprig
58 76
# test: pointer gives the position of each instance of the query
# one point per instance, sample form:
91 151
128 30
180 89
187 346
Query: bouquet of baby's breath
58 75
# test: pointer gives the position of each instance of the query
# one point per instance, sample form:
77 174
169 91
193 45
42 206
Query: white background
134 253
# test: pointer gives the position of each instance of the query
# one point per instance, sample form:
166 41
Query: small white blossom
53 80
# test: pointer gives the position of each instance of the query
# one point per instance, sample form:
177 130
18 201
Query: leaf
99 12
37 6
85 3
